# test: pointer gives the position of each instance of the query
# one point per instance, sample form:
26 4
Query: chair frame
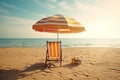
47 53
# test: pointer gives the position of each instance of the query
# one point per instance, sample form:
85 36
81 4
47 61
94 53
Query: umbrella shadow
12 74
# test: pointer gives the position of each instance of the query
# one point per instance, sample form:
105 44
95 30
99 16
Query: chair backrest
54 49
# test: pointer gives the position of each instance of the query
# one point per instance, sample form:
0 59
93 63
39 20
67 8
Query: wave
37 42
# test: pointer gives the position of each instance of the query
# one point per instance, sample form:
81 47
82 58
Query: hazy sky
101 18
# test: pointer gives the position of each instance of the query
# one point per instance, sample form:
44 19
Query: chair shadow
71 65
15 74
36 66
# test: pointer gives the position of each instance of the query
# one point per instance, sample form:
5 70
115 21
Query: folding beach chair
54 52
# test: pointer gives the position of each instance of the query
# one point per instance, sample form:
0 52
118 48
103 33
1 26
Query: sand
28 64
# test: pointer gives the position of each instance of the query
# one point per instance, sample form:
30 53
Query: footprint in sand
76 74
119 78
88 77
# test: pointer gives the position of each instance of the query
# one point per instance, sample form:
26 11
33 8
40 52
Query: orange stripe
52 52
50 49
54 49
58 50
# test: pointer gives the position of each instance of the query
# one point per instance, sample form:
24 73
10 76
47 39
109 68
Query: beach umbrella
58 24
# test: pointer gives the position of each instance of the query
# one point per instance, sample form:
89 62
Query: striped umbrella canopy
58 24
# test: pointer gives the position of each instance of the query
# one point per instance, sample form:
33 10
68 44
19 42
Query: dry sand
28 64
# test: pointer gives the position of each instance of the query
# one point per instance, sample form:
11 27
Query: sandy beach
28 64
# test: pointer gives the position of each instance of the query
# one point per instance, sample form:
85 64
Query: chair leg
60 63
46 58
45 63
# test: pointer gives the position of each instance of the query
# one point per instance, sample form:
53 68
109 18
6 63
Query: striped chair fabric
54 52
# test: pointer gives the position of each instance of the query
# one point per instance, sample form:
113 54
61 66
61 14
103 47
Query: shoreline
68 42
63 47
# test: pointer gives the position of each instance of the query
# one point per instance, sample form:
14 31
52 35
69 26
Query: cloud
44 4
17 21
12 6
54 1
16 27
36 1
7 5
35 15
4 11
84 6
64 5
49 6
79 5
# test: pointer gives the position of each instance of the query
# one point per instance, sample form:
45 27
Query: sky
101 18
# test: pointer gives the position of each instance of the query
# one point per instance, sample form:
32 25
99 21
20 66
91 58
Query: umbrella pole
57 35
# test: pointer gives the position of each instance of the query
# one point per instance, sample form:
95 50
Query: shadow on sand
71 65
15 74
37 66
9 74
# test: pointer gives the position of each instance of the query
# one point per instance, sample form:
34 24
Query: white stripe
51 23
59 24
68 21
63 23
58 19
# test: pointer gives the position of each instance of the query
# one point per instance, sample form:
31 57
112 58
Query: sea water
66 42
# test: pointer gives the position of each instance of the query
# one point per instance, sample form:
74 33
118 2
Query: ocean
66 42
